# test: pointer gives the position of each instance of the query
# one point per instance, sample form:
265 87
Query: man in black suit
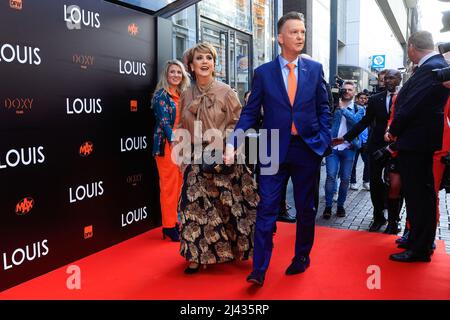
417 129
377 116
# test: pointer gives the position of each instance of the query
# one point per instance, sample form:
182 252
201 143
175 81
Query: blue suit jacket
311 112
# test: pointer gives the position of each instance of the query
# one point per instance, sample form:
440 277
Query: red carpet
146 267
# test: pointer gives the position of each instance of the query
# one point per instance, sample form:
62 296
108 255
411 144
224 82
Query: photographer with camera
336 93
377 116
342 156
418 129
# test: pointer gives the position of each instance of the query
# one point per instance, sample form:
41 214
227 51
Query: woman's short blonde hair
163 83
203 47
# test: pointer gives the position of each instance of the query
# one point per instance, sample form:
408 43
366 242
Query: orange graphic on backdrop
15 4
88 232
86 149
24 206
133 105
133 29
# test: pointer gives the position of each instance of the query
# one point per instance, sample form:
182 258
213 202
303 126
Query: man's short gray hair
422 41
349 83
293 15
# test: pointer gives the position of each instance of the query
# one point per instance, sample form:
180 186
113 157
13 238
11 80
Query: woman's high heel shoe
190 270
172 233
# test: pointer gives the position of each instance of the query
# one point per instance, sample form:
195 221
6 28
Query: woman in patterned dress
217 210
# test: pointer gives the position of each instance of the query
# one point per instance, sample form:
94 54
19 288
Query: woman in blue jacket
165 104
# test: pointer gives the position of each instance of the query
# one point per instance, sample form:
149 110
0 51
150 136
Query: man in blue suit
292 92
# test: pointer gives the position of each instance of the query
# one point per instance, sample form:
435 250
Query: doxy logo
84 61
134 179
86 149
24 206
20 105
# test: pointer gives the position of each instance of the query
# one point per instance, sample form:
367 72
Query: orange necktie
292 90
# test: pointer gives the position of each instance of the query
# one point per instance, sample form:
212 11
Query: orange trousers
170 181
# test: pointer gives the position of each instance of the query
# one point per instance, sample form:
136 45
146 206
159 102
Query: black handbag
208 165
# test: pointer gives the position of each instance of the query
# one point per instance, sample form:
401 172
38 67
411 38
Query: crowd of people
221 209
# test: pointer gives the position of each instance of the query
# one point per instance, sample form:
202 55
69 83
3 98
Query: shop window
263 37
235 13
184 31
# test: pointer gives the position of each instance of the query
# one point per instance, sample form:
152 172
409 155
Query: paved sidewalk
359 210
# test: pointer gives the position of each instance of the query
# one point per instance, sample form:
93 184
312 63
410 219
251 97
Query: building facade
242 31
371 35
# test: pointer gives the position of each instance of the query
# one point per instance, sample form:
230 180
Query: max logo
24 206
15 4
86 149
83 60
133 29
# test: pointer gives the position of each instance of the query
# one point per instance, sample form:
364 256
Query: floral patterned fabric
165 111
218 214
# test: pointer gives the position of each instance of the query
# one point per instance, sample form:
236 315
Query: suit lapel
384 102
279 80
301 81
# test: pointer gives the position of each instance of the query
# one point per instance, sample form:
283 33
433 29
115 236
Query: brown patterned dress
217 211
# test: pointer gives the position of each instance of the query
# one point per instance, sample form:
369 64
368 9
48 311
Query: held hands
446 84
228 157
389 137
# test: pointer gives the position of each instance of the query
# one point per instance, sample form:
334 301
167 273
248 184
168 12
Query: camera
443 75
337 91
383 155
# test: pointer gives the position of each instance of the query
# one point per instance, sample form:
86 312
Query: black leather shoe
172 233
403 246
256 278
286 218
298 265
376 225
406 246
340 213
392 228
327 213
409 256
403 239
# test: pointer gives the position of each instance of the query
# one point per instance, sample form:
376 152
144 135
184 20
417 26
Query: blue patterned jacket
165 110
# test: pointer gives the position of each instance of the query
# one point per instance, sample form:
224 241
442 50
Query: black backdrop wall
76 172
